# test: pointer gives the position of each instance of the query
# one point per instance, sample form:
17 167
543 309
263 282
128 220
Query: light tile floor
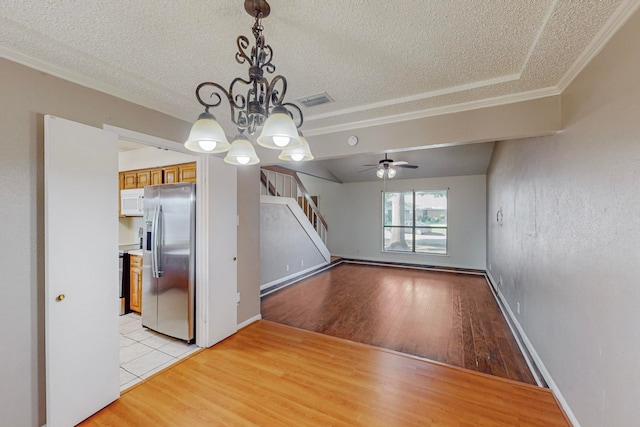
144 352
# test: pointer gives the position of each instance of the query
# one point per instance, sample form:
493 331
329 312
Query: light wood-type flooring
269 374
447 317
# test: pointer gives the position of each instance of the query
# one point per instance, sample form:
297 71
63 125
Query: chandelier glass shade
207 136
301 153
279 131
255 103
241 152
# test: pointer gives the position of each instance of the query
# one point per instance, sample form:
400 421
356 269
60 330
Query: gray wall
354 215
284 243
26 96
568 248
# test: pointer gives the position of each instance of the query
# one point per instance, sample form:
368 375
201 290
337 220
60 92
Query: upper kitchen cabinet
157 176
129 180
143 178
171 174
187 172
140 178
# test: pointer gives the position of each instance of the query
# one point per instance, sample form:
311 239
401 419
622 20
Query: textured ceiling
379 60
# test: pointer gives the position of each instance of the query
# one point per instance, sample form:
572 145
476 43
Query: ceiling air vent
312 100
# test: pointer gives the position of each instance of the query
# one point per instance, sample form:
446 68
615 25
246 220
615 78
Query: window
415 221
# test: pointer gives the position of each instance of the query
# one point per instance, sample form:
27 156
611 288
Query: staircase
281 182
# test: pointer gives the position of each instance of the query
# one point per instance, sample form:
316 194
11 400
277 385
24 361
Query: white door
81 270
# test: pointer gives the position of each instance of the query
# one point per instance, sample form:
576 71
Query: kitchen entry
157 253
81 376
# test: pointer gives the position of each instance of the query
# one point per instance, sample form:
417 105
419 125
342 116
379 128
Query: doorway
142 351
80 163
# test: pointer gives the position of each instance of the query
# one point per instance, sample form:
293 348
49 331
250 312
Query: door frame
202 223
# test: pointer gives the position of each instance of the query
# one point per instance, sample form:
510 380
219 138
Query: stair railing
281 182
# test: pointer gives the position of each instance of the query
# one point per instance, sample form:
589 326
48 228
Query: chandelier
256 103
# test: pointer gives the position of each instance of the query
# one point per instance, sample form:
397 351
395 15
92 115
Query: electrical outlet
518 307
286 267
238 297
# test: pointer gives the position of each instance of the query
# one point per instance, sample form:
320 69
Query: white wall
128 229
568 248
354 215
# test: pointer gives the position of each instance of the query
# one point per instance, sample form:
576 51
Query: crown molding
416 97
438 111
82 80
613 24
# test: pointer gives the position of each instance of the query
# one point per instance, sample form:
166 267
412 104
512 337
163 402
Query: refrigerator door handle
159 242
154 242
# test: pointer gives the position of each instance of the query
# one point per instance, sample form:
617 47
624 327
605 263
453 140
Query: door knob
60 297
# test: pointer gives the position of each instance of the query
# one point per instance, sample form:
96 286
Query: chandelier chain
249 110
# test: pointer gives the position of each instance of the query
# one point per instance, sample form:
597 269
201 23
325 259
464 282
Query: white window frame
413 222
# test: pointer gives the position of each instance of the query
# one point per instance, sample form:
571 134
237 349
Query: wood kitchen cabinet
143 178
140 178
135 279
157 176
130 180
171 174
187 172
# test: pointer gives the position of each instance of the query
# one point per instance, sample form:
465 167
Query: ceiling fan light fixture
388 168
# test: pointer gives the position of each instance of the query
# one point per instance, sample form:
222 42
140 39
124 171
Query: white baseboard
294 275
249 321
534 354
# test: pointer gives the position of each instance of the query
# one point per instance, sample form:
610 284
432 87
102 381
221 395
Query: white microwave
132 202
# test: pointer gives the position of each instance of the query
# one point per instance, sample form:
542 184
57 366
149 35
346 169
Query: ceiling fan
386 167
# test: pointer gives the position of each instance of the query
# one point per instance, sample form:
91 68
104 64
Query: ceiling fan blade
398 163
371 165
407 166
368 169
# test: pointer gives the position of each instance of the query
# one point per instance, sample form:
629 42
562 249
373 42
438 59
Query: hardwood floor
273 375
446 317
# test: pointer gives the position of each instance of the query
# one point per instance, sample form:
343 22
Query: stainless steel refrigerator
168 272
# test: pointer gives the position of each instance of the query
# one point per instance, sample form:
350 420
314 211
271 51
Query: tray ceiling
375 58
378 60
